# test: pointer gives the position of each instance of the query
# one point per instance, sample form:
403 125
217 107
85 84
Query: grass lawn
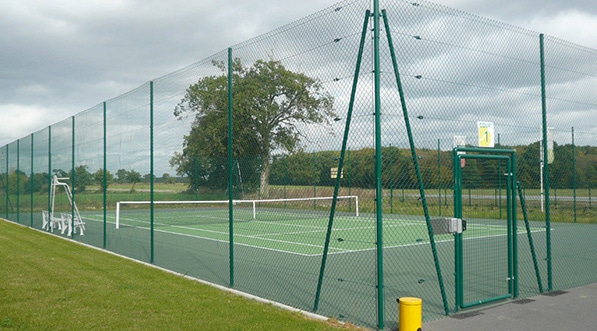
47 283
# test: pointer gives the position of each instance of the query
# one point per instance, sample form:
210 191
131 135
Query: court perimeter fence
349 101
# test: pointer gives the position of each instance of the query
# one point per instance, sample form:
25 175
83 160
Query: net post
118 215
356 203
254 209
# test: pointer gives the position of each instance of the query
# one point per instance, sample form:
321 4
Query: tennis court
291 226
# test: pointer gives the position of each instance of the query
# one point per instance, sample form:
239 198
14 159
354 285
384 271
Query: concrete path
573 309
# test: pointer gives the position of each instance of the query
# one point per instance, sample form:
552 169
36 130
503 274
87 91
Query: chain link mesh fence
323 200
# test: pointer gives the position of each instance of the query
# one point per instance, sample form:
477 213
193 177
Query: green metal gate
485 200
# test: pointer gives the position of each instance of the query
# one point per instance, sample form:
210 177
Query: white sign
460 141
486 134
334 173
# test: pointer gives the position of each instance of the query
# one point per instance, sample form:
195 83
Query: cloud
18 119
62 57
570 25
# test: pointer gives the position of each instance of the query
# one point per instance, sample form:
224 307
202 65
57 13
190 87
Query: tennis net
168 213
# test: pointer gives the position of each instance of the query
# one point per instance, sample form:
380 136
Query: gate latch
456 225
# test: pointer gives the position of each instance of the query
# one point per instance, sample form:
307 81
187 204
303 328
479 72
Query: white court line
323 230
521 230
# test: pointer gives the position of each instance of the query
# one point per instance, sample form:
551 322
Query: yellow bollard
410 314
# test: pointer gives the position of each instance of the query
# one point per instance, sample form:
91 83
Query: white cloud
62 57
21 120
570 25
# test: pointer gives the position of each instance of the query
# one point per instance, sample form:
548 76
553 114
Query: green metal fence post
416 165
49 172
530 237
284 180
259 181
348 166
73 179
6 182
105 179
391 182
314 180
545 164
574 175
18 173
514 221
458 236
196 176
151 188
230 173
355 81
439 178
378 169
499 179
31 181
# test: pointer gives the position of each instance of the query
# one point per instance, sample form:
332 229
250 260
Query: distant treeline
318 168
398 169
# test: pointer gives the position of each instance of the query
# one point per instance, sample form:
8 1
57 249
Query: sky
60 57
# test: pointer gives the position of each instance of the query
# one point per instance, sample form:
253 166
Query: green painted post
284 181
545 164
391 182
196 181
416 164
230 172
530 237
458 270
105 190
446 197
259 181
514 223
350 182
72 180
31 184
18 173
7 182
439 178
151 190
378 159
500 183
509 231
574 174
314 180
49 169
328 235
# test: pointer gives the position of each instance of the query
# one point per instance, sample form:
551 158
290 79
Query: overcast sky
60 57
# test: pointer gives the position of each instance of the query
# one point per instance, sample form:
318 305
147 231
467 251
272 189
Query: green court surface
300 232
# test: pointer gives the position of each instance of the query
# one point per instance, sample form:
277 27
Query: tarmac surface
572 309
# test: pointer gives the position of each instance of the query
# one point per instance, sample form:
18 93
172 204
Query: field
278 253
565 207
47 283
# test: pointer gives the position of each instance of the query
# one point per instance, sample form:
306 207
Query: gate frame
510 158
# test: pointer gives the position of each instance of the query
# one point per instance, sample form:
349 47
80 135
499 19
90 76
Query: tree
121 174
269 103
147 178
98 178
166 178
82 178
133 177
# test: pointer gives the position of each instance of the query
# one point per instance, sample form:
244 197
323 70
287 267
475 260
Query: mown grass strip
47 283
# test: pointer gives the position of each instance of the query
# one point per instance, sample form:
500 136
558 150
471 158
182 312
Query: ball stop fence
340 162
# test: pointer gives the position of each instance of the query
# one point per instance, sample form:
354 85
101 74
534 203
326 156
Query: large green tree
269 105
